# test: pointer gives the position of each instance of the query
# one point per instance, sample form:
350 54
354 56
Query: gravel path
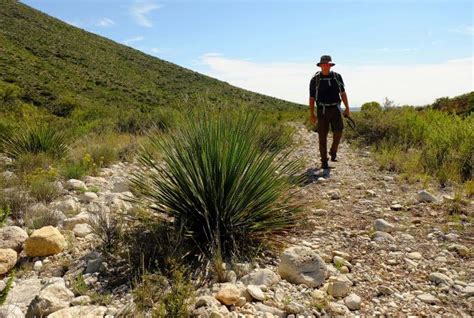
391 274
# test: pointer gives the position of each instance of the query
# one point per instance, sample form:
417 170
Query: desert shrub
41 184
275 137
30 162
151 246
371 107
431 141
107 228
92 152
73 170
16 200
224 194
63 106
164 297
9 92
41 216
41 139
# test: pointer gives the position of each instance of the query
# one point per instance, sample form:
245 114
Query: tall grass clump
35 140
420 141
220 192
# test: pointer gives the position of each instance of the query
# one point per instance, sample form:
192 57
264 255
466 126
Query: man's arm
312 95
346 103
312 114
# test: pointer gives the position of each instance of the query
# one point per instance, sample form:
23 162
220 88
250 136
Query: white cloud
405 84
465 29
131 40
155 50
105 22
139 12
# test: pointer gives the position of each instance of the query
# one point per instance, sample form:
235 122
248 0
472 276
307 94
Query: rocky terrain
370 244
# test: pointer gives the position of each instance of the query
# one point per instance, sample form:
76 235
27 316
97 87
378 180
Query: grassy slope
55 63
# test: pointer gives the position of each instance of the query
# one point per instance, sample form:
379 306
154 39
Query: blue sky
409 51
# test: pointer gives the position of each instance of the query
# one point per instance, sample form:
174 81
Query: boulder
52 297
45 241
8 259
338 310
425 196
228 295
24 292
255 292
80 311
73 184
11 311
12 237
81 218
261 277
460 249
383 226
68 206
428 298
353 301
439 278
339 287
82 230
302 265
81 300
382 237
88 197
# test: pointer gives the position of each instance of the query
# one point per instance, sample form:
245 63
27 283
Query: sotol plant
224 194
42 139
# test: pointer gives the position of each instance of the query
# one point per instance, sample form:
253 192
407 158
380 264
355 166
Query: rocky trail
370 245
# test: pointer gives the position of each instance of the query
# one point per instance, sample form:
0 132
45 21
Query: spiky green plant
35 140
225 195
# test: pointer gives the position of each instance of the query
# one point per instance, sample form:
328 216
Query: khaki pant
332 117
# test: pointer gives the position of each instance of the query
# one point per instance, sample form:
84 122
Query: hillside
73 73
462 104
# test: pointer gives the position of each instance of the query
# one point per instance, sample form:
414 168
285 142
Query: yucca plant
35 140
224 194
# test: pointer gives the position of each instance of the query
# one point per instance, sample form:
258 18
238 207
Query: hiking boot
333 156
324 165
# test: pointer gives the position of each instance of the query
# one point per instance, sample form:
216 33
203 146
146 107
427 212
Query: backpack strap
317 81
335 76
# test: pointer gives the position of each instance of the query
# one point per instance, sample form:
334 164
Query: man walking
326 90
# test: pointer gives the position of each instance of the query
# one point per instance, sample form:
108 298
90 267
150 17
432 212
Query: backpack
318 81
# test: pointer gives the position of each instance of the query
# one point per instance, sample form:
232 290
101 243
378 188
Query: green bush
371 107
275 137
41 184
164 297
225 195
440 144
9 92
35 140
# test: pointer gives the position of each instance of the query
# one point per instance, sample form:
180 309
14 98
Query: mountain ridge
52 60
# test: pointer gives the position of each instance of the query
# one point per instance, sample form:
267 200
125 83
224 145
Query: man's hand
346 112
313 119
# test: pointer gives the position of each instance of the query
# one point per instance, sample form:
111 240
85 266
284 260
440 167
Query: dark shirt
328 91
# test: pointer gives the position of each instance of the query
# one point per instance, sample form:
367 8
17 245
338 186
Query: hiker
326 90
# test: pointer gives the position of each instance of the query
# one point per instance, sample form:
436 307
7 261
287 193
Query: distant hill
72 73
462 104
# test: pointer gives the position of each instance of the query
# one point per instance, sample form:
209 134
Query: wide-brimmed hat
325 59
